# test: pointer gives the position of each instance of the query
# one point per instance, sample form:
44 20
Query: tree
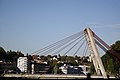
63 58
12 55
3 54
71 60
110 63
116 46
20 54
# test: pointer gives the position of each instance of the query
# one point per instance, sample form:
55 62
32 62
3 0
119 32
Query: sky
29 25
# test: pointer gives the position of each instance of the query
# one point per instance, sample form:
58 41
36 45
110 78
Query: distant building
8 66
23 63
82 69
40 68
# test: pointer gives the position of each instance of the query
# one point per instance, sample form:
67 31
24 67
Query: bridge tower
94 54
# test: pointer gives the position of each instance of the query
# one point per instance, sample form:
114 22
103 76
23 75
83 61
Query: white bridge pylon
94 54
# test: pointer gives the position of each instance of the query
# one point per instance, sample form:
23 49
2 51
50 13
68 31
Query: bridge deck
50 76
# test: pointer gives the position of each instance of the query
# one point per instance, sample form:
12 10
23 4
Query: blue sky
28 25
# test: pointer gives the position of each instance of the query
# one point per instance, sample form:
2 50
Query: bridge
76 41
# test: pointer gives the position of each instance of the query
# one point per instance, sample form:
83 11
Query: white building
64 68
22 64
81 69
86 69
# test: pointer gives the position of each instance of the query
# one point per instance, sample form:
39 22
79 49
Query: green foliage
9 56
92 69
63 58
3 54
12 55
110 63
69 60
116 46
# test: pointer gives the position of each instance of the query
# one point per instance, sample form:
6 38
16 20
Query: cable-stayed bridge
86 40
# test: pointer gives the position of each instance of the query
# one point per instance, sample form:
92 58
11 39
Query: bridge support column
94 53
